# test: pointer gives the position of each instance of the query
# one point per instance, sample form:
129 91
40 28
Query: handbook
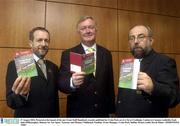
129 70
25 64
82 62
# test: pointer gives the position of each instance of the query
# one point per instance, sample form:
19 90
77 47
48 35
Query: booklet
25 64
129 73
82 62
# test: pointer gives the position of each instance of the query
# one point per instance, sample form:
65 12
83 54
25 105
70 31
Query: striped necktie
42 66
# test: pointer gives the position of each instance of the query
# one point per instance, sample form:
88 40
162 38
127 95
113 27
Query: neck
89 44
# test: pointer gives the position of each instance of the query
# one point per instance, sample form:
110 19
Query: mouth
44 48
89 35
138 52
137 49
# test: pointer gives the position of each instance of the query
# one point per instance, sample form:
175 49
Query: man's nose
136 41
87 30
44 42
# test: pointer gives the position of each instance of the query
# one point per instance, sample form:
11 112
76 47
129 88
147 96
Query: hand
78 78
144 83
21 85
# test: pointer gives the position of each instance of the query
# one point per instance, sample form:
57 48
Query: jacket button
95 105
138 92
149 101
119 101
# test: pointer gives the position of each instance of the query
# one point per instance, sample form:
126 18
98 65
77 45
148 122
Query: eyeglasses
91 27
139 38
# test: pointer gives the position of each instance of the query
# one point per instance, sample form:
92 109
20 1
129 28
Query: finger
79 74
141 75
20 86
80 78
26 87
77 77
82 73
140 87
78 82
16 83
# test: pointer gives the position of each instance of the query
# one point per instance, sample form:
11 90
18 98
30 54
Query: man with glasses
90 95
158 83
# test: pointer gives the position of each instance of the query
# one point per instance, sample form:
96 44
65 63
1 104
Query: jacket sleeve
65 74
166 85
13 101
111 93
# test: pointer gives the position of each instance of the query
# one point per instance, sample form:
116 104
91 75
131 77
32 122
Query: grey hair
150 32
83 18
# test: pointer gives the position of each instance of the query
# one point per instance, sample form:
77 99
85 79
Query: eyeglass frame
140 37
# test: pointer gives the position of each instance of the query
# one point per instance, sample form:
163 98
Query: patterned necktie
43 67
91 50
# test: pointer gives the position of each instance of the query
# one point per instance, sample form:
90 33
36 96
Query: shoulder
51 64
164 58
73 49
11 63
103 50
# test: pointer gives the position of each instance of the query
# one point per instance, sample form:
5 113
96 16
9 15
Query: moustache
44 47
137 47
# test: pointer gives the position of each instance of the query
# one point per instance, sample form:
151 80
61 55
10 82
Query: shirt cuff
71 84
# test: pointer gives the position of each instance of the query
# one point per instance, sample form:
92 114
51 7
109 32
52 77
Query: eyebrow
137 35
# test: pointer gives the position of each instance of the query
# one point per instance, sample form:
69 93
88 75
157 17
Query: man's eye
131 38
142 36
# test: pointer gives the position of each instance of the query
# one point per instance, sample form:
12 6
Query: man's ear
30 43
151 40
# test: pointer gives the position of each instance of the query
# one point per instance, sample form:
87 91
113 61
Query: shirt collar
86 47
36 58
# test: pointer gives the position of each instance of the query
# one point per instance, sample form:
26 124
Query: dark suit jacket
95 98
43 96
163 73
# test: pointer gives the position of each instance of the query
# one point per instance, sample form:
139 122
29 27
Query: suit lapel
49 71
99 60
78 49
40 73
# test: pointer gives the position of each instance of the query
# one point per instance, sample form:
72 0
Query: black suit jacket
163 73
95 98
43 96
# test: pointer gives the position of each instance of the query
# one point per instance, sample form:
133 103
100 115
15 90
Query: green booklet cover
82 62
25 64
129 73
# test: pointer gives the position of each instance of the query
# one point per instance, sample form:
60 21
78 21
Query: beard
139 52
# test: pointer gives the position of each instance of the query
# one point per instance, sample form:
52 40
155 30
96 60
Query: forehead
87 22
138 30
40 33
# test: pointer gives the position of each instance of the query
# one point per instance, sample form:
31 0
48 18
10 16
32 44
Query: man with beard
158 83
90 95
36 96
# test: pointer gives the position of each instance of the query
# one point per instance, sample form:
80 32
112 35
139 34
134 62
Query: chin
43 54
